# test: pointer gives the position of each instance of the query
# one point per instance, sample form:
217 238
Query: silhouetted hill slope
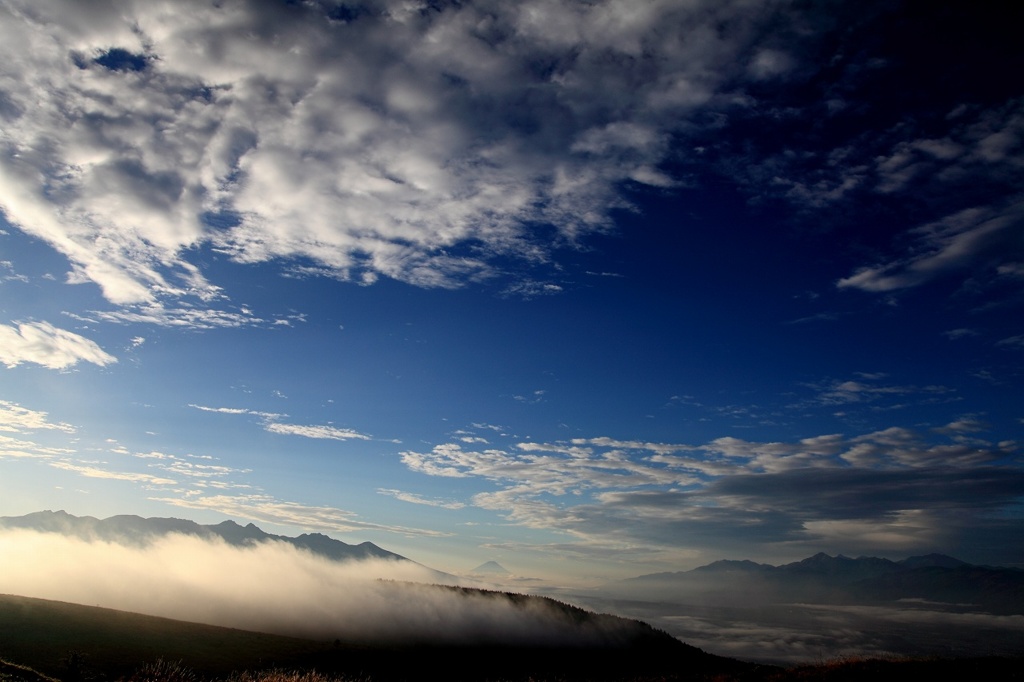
836 580
109 644
41 633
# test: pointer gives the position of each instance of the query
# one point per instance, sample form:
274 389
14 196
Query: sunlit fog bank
273 587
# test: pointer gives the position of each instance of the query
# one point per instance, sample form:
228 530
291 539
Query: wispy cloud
7 273
193 481
169 316
417 499
316 431
868 388
238 410
968 240
271 424
18 419
964 425
962 333
93 471
198 470
1012 341
210 474
43 344
531 289
267 508
24 449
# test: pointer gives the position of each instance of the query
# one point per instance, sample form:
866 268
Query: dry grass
840 669
12 672
285 676
174 671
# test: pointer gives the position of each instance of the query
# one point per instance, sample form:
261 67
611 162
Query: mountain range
825 579
134 530
819 579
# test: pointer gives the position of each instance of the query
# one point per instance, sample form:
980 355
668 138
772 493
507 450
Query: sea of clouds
274 587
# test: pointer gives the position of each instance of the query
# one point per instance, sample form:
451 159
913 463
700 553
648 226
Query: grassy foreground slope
45 641
75 642
44 635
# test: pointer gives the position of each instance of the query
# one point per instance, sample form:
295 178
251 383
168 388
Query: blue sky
593 289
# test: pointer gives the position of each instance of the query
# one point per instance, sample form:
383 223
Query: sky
593 289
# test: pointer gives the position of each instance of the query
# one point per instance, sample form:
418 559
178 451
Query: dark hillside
43 634
73 642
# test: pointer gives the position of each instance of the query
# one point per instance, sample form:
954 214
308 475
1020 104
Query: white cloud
969 239
7 273
531 473
605 492
954 334
966 424
406 144
528 289
238 410
1015 270
866 390
207 472
1012 341
142 455
417 499
270 423
221 410
266 508
169 316
315 431
90 471
22 449
768 63
18 419
43 344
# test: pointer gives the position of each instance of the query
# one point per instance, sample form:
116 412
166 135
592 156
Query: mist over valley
316 587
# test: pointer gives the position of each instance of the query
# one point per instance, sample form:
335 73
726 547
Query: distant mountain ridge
824 579
490 568
128 529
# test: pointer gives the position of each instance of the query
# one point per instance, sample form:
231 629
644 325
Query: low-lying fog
807 633
274 587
